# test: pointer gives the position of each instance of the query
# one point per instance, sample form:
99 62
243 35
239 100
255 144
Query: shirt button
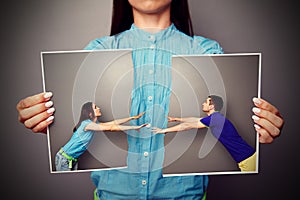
150 71
152 46
144 182
146 154
150 98
151 37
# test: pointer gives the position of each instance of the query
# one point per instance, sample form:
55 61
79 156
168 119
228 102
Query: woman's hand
36 112
141 126
267 119
138 116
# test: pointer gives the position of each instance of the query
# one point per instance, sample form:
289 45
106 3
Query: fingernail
256 126
255 118
51 110
256 110
49 104
256 100
48 95
50 118
148 125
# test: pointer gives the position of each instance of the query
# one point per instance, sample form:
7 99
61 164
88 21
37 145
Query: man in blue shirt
221 128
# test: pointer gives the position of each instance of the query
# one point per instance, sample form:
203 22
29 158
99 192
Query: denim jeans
62 163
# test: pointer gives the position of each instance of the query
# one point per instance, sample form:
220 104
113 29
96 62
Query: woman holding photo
155 30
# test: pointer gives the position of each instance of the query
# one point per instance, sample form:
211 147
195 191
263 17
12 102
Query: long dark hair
122 17
87 112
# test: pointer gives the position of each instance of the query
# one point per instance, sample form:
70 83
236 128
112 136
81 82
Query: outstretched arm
111 127
124 120
184 119
180 127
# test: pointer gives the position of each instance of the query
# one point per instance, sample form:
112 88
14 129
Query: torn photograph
210 129
92 92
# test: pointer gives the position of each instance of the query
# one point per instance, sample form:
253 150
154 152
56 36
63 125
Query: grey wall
28 27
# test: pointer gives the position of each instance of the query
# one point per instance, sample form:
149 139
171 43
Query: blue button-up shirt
151 93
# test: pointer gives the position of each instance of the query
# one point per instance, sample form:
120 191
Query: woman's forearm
123 127
119 121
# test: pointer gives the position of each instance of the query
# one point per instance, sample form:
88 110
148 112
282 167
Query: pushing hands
171 119
158 130
138 116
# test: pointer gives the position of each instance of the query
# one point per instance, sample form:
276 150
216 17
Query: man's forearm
180 127
187 119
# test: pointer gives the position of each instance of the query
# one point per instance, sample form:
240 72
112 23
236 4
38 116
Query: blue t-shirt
79 141
150 93
227 134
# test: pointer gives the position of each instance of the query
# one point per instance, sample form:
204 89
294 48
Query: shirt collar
144 35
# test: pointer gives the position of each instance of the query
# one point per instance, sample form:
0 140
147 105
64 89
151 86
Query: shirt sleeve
97 44
205 121
84 124
208 46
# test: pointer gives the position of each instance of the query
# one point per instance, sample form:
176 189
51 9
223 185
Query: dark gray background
31 26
